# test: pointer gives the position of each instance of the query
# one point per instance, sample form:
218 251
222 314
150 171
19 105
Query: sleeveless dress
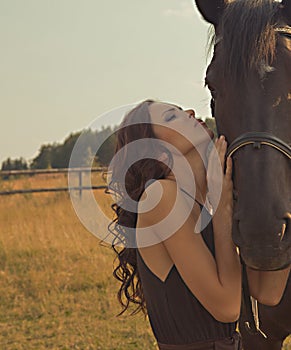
178 319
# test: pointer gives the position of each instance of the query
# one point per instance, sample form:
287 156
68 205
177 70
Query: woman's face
179 128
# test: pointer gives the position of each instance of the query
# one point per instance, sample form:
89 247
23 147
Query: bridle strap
284 31
258 139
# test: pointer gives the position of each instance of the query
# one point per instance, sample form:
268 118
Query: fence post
80 184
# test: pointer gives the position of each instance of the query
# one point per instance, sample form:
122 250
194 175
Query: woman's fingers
217 154
228 171
221 147
217 159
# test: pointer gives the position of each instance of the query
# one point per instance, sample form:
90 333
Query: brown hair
135 126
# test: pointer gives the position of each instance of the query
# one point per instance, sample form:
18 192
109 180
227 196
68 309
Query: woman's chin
211 134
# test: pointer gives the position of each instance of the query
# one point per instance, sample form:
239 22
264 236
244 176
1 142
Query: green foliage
106 149
210 122
14 164
94 148
43 159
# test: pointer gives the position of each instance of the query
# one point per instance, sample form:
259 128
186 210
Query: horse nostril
283 229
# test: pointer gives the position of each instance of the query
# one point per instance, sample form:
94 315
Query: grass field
56 284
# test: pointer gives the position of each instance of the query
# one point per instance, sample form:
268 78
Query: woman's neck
189 172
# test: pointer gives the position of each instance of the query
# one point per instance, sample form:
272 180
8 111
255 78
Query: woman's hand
220 190
220 184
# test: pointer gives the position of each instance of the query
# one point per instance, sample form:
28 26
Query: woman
183 273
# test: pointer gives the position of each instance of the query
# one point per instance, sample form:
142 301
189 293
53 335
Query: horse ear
211 10
286 8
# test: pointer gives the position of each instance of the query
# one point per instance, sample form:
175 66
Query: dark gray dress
177 318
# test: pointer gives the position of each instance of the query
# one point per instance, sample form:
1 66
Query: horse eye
212 107
212 92
211 89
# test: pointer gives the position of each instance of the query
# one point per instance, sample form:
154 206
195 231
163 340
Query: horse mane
248 36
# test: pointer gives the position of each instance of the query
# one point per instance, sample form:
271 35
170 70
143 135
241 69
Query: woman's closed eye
170 117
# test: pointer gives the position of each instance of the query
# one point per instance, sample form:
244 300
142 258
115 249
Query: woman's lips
200 121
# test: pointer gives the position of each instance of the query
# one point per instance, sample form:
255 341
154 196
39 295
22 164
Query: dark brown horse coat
249 78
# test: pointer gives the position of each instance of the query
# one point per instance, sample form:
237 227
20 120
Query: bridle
284 31
257 139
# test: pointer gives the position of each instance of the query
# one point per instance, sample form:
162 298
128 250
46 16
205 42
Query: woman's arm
215 282
226 255
267 286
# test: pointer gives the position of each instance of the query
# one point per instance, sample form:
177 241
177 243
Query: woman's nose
191 113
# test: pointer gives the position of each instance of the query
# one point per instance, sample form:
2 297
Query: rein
250 306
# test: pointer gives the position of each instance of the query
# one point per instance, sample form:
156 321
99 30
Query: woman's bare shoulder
157 199
159 184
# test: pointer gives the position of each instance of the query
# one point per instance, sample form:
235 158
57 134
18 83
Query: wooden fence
80 187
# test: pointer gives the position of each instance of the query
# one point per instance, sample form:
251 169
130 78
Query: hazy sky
65 62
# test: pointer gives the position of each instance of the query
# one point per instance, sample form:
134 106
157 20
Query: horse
249 78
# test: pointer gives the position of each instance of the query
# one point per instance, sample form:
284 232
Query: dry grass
56 284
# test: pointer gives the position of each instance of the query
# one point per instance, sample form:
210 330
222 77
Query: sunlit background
65 62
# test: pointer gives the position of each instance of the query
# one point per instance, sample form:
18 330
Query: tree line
57 155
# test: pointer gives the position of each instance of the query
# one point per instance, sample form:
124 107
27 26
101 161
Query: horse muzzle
262 248
266 258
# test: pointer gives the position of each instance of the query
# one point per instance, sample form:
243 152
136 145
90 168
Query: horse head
249 78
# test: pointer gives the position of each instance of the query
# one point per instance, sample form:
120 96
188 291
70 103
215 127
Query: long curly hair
135 126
